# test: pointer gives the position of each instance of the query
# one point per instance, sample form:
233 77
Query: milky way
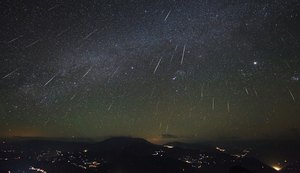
154 69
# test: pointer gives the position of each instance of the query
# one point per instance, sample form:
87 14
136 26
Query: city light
276 167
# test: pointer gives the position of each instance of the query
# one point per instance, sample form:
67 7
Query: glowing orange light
277 168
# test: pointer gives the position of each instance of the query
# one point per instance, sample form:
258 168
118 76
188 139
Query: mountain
121 154
292 168
119 143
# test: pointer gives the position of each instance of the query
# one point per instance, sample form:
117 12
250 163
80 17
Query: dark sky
183 69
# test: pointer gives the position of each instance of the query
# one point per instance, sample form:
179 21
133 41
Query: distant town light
276 167
187 161
168 146
220 149
37 169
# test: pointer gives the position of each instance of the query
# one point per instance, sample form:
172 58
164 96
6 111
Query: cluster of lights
37 169
220 149
158 153
198 162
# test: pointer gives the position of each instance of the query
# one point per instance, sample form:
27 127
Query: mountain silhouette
122 154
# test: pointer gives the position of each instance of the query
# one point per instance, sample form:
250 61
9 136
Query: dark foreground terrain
125 155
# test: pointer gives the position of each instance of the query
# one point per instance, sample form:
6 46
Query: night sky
157 69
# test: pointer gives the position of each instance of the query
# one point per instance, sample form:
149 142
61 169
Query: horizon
224 75
151 139
258 148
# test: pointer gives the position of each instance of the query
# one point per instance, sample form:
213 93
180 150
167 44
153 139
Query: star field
153 69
